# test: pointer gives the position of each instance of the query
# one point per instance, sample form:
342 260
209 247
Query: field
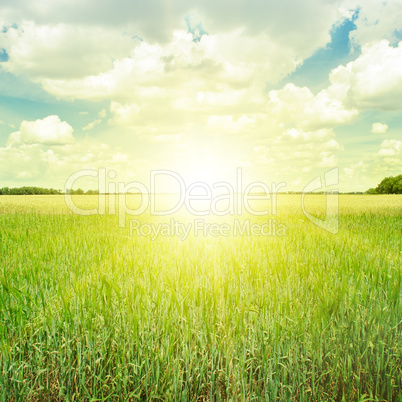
92 311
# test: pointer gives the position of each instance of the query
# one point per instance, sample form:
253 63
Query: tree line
42 191
389 185
80 191
28 191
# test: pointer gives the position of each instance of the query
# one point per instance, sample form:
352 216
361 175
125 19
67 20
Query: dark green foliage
42 191
371 191
80 191
28 191
389 185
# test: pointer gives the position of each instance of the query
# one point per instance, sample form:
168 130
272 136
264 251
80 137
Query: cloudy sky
284 90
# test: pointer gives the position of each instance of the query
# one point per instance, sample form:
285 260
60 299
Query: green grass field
90 311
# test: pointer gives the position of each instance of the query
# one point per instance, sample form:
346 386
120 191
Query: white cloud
379 128
214 68
61 51
119 157
297 106
327 159
48 131
171 93
386 161
91 125
44 163
391 148
373 80
376 20
298 136
355 170
300 26
86 62
298 151
24 162
123 114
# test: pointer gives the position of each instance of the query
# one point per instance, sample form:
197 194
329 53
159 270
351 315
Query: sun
209 168
202 173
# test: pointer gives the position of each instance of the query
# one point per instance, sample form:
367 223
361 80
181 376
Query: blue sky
285 96
314 71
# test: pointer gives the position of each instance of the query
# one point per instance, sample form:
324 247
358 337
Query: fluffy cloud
293 105
21 162
123 114
379 128
391 148
213 67
48 131
386 161
175 95
373 80
298 151
91 125
376 20
61 51
301 26
43 162
246 45
355 171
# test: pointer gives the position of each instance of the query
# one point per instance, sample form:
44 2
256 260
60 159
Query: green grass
89 313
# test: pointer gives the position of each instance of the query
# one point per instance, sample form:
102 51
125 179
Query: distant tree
389 185
397 186
385 187
28 191
371 191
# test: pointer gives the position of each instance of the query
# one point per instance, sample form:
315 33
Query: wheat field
93 311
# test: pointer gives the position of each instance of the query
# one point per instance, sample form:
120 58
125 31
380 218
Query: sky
284 91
